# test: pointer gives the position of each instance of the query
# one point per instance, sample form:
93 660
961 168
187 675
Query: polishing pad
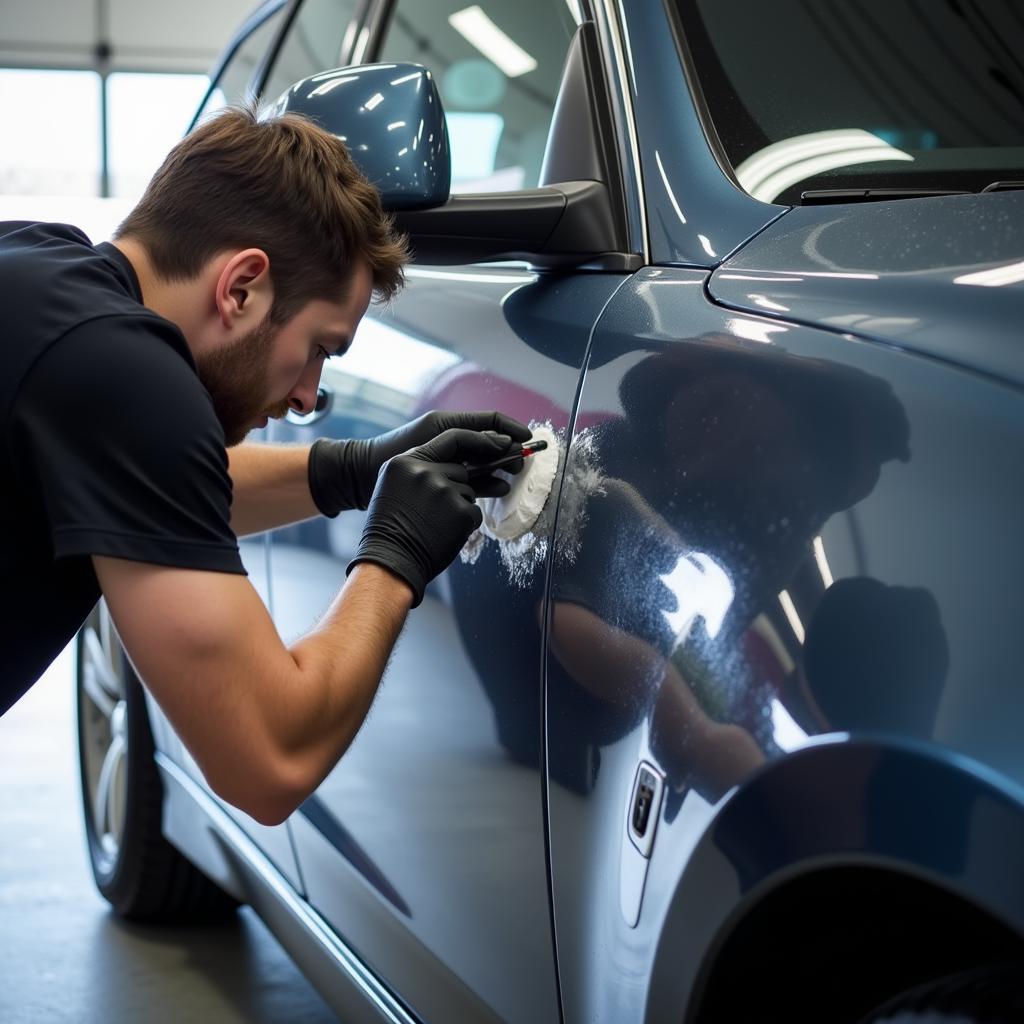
511 516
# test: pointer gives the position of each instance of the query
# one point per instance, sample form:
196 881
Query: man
128 369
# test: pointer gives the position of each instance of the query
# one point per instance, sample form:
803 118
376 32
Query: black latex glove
343 474
423 508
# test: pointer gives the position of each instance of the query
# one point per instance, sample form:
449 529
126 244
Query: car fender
884 802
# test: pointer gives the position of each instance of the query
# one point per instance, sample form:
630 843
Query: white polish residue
522 555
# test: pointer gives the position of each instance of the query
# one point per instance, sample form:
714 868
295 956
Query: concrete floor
63 956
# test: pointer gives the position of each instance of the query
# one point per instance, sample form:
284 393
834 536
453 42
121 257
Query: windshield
810 95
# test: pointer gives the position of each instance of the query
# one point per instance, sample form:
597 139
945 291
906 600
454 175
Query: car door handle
321 407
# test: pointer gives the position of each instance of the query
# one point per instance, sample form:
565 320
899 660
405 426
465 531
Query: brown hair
281 184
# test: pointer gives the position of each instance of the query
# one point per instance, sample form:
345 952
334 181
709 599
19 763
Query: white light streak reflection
668 187
823 566
787 734
754 330
772 170
765 303
996 277
702 591
790 610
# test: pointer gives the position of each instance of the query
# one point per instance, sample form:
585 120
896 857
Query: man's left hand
343 474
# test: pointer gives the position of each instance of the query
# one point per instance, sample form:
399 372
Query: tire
993 994
141 875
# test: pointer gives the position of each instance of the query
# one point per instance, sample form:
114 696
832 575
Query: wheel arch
841 827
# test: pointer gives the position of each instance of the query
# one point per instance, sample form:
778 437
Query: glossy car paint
784 576
932 275
696 216
425 847
754 459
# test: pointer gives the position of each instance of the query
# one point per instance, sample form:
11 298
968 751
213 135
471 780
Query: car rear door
425 848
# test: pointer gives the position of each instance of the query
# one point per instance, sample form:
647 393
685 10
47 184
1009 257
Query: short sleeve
114 430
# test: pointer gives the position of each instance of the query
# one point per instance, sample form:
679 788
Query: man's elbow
270 796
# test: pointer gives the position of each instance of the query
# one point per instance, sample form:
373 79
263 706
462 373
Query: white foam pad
511 516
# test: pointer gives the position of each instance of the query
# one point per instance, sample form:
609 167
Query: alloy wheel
101 677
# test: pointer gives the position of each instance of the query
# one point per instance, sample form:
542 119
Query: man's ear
244 293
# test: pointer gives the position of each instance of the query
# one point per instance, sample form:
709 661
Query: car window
320 38
498 66
866 94
234 83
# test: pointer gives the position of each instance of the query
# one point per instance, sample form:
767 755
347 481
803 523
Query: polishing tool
513 514
475 472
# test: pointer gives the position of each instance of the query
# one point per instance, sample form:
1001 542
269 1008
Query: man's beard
236 377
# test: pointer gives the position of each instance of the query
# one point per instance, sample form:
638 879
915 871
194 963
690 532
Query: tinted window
320 38
498 66
234 84
862 93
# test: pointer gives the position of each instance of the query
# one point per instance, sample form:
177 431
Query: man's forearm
271 487
340 665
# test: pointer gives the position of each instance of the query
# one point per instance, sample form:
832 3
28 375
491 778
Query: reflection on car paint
702 547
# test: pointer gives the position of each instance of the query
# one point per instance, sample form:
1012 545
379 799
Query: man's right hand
423 508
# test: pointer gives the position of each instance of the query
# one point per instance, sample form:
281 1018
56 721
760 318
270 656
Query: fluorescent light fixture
574 10
794 620
478 30
823 566
770 171
1012 273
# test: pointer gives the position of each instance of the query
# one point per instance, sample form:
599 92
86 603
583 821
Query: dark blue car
735 732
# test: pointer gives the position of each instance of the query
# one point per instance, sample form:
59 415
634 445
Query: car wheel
136 869
992 994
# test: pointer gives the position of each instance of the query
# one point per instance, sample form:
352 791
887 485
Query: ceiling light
479 31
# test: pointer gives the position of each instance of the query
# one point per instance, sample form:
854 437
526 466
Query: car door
425 848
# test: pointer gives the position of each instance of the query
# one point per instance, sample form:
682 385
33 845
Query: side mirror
391 119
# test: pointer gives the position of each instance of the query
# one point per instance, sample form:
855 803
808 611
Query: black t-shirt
111 445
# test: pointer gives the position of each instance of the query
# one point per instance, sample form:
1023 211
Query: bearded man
129 374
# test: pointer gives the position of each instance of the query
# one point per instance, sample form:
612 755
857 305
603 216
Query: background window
147 114
319 39
44 117
498 67
235 80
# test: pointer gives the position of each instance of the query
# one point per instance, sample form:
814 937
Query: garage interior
67 958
